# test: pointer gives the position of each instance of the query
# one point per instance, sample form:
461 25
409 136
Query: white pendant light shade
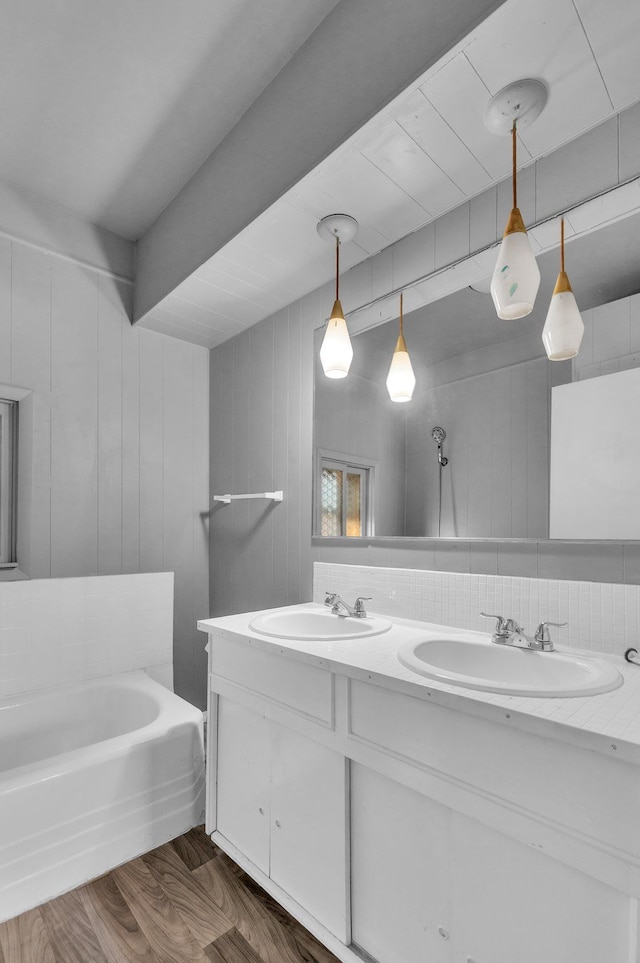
401 380
336 352
516 277
564 328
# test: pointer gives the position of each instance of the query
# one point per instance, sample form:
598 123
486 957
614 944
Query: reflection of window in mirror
8 464
343 498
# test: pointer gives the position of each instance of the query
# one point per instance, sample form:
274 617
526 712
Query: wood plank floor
185 902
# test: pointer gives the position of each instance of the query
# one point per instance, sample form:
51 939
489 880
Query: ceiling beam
362 55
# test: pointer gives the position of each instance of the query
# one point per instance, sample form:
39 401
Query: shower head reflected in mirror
439 434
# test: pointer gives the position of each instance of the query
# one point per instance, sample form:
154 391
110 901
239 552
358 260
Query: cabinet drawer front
584 792
305 689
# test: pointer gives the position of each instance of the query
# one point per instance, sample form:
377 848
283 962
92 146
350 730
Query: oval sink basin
316 626
477 664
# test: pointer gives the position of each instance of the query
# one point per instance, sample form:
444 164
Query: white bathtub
90 776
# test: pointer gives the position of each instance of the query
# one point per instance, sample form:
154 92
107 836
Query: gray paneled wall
355 418
120 436
496 481
611 339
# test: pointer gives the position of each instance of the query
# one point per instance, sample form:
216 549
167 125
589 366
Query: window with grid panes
343 491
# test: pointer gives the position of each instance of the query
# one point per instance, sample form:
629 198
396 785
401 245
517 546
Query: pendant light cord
337 268
401 331
562 244
513 150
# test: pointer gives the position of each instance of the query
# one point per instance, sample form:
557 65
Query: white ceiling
108 108
423 155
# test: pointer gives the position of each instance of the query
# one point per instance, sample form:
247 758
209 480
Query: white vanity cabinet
396 820
281 802
277 796
429 883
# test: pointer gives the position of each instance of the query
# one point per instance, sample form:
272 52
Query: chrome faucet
508 632
357 611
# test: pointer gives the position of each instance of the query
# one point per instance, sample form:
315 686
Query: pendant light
564 328
401 380
336 352
516 277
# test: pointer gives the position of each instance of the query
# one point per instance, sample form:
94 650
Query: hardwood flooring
185 902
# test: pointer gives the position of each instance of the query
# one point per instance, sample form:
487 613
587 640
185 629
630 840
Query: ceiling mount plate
522 101
482 287
341 226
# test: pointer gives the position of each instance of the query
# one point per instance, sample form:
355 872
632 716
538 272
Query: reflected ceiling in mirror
488 383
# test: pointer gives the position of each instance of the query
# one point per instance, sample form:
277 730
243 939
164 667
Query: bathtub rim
171 713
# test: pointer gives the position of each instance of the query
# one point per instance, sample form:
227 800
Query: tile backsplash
601 616
60 631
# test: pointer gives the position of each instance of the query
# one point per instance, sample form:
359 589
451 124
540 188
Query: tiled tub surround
61 631
601 617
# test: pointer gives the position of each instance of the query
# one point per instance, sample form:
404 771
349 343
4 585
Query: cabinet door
309 827
512 902
401 878
244 750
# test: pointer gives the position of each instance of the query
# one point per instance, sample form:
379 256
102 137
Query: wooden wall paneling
178 510
418 481
111 321
498 429
74 420
538 434
306 449
5 310
239 549
294 387
200 500
479 456
281 366
151 451
222 478
261 512
517 441
31 368
130 449
220 460
456 480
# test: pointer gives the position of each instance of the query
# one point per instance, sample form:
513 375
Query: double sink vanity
413 792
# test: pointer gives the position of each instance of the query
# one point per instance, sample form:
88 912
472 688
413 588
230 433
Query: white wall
595 458
58 631
120 435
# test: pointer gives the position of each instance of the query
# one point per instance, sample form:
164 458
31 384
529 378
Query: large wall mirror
488 385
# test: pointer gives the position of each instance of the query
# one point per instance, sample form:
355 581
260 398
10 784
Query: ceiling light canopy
336 352
564 328
401 380
516 277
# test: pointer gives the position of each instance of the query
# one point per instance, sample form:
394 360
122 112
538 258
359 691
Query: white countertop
608 722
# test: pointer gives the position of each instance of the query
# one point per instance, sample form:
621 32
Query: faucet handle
542 633
359 606
330 597
501 622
